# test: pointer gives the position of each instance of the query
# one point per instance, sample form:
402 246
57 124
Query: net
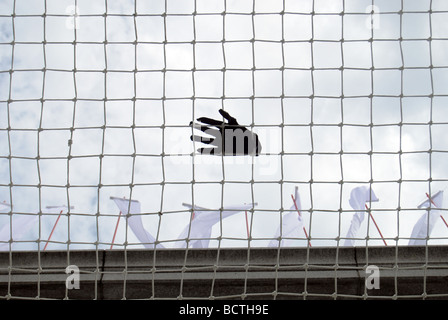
96 100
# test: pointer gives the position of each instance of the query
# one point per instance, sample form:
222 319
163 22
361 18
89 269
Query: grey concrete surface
259 273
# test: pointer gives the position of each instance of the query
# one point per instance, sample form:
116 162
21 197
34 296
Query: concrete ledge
261 273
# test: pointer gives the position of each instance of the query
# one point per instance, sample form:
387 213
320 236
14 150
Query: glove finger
227 116
202 139
206 129
209 151
212 122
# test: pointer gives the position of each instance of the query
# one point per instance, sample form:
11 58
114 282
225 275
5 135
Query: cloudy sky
99 106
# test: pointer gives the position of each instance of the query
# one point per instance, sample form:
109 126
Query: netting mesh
96 98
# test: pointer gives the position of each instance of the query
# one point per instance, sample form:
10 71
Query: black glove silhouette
229 139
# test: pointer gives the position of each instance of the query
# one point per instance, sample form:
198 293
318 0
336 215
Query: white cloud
102 134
